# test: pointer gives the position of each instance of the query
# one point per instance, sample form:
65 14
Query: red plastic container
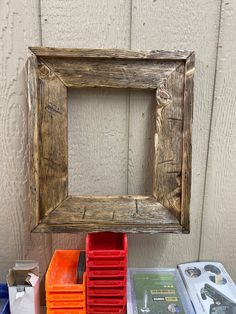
101 263
106 301
107 273
106 309
107 292
106 245
106 283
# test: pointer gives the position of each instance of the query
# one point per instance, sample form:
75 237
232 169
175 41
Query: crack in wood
175 119
53 109
85 208
165 161
136 206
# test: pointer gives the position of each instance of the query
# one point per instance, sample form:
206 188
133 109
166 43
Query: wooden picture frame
50 72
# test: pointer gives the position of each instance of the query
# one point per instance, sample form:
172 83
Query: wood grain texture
141 214
219 219
168 144
72 228
184 28
109 53
52 140
33 140
187 142
100 24
19 28
112 73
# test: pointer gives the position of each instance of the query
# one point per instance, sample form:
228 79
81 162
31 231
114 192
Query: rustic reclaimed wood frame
50 72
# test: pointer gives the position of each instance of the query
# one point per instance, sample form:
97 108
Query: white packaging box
23 286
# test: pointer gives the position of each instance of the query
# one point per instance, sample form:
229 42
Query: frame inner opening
110 141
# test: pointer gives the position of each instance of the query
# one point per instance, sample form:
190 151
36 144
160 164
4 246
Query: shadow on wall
152 246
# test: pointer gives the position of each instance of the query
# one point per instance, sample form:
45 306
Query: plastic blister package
157 290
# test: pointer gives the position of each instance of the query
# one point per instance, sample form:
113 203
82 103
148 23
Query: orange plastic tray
66 311
62 272
66 296
66 304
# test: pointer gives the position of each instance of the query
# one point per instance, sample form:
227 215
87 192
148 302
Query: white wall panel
19 28
219 215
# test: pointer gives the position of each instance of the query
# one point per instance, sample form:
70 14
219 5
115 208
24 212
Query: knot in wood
44 72
163 97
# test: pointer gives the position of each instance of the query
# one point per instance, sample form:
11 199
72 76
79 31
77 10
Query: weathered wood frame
50 72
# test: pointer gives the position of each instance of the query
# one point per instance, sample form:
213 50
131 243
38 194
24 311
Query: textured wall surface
109 132
219 213
19 28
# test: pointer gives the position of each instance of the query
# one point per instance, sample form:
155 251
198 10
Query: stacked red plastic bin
64 295
106 269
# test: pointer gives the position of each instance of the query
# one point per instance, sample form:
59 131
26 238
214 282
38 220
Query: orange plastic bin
62 272
63 293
